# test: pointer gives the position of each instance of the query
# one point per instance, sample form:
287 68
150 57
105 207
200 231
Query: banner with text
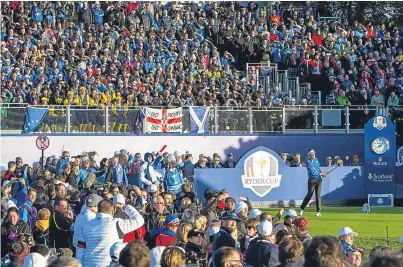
380 156
163 120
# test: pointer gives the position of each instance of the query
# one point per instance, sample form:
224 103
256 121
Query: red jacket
164 240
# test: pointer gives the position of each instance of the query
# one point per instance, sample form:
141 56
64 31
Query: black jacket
41 237
262 253
194 253
223 239
6 229
59 229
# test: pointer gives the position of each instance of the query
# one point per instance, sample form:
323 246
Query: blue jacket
37 14
24 213
173 181
313 167
61 163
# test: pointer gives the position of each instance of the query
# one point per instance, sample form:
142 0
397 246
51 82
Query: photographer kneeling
194 251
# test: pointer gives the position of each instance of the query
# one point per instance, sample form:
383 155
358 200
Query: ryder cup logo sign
379 122
261 173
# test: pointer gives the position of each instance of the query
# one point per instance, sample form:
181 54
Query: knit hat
156 254
171 219
240 206
115 250
301 222
35 260
18 251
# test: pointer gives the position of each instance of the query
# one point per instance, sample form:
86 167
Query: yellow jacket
81 100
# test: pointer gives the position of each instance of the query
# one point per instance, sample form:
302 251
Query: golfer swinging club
314 182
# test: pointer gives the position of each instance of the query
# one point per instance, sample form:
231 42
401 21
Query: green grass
371 228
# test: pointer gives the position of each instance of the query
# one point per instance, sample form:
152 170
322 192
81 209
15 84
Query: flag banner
163 120
33 118
139 121
199 119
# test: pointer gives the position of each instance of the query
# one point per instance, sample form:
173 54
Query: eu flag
33 118
138 124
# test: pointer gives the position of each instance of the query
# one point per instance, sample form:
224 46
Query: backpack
32 215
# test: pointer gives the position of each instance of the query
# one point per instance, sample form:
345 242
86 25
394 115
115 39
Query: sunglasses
251 227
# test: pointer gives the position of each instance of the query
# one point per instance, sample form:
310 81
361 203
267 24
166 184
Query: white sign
261 173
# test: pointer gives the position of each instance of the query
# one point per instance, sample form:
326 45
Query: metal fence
230 119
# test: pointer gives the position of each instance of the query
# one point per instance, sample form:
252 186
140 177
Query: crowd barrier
221 119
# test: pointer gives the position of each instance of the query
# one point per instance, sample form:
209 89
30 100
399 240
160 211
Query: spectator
156 254
27 211
17 252
346 237
167 236
252 233
230 162
342 100
224 238
99 235
182 235
289 219
65 261
289 251
301 230
11 229
227 257
173 257
353 257
61 223
324 251
41 231
194 246
35 260
114 253
378 99
119 202
262 251
87 214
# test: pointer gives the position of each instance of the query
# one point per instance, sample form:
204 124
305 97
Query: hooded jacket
101 233
148 174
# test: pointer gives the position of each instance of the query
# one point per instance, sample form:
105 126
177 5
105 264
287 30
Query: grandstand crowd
80 212
141 53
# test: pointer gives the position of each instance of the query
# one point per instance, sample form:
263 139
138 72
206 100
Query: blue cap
228 215
171 219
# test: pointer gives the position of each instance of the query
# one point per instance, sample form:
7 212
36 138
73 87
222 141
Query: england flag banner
163 120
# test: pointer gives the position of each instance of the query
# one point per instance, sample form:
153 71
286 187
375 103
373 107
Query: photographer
194 251
61 222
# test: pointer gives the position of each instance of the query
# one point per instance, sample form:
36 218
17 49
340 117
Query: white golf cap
347 231
254 213
119 198
290 213
240 206
152 188
265 228
311 152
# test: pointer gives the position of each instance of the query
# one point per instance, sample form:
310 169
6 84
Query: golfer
314 182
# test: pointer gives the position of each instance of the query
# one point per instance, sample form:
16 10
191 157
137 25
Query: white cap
311 152
213 230
117 153
291 213
347 231
152 188
265 228
115 250
171 158
118 198
254 213
177 154
84 159
240 206
35 260
156 254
